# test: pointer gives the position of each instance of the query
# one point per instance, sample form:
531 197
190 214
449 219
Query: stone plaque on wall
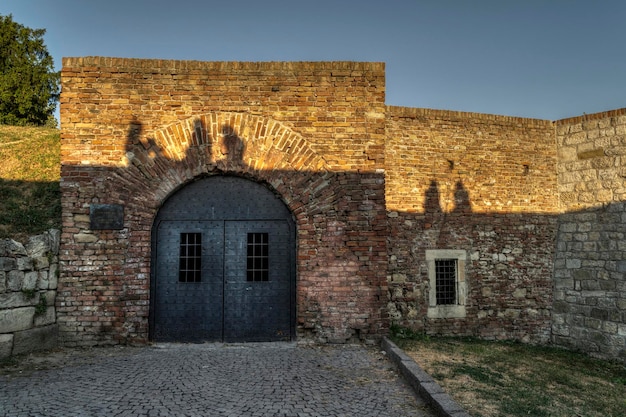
106 217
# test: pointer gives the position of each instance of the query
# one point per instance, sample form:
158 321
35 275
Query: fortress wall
590 265
134 131
483 184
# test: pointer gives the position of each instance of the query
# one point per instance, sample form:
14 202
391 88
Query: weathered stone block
46 318
85 238
599 313
6 345
593 323
15 279
42 280
398 278
16 319
38 246
520 293
41 262
607 285
589 285
50 297
54 239
25 263
582 274
564 283
7 264
32 340
573 263
9 247
14 300
53 276
561 307
30 280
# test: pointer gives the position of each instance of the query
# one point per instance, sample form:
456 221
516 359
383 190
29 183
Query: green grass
30 197
512 379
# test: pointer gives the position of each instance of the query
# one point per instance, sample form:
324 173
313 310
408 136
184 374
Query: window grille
258 257
190 262
446 281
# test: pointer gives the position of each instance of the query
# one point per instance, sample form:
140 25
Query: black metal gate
223 264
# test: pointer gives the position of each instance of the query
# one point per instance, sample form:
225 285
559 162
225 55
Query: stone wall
135 131
485 185
590 266
28 283
533 208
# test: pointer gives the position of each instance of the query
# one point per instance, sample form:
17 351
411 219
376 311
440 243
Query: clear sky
547 59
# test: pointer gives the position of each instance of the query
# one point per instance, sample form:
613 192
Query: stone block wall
134 131
28 284
485 185
590 266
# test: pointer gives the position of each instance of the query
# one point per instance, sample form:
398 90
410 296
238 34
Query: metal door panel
257 311
223 306
189 311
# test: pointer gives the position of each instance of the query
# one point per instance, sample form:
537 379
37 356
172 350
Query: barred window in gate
190 260
258 257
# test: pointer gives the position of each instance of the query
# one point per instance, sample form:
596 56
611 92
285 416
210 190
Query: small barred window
258 257
190 261
445 281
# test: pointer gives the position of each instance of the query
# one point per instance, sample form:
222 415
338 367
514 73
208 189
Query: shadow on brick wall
348 244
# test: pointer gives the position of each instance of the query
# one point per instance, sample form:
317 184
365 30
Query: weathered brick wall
371 189
28 284
484 184
590 266
134 131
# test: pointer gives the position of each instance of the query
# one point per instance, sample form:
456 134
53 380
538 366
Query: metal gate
223 265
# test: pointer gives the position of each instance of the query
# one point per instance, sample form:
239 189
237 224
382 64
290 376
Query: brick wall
590 265
535 207
134 131
480 183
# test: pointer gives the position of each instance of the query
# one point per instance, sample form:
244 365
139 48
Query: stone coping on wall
593 116
410 112
164 65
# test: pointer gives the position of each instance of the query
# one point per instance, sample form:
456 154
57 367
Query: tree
29 86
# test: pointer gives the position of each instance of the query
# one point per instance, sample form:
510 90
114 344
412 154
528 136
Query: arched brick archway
265 151
247 146
232 143
137 131
223 264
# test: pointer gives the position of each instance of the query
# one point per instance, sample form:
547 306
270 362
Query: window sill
446 312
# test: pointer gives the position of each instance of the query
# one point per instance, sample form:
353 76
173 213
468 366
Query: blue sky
547 59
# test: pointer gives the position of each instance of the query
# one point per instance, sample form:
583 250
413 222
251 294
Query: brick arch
130 139
339 215
232 143
269 152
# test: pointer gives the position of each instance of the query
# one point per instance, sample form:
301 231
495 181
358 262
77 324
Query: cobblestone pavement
277 379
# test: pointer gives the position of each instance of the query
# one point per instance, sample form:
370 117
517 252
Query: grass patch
507 379
30 196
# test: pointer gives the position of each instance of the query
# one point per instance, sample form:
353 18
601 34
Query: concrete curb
423 383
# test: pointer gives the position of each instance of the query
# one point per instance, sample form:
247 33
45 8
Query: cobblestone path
277 379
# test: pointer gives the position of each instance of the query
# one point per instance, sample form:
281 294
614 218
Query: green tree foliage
29 86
